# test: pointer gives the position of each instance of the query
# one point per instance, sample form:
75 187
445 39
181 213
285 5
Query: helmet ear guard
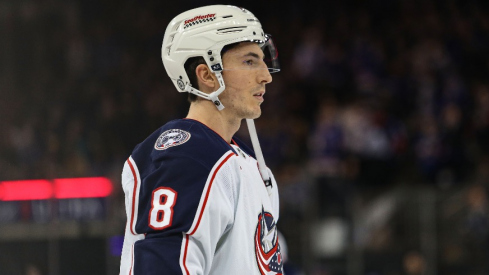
214 62
212 96
204 32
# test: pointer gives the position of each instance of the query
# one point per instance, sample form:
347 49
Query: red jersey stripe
133 195
187 236
208 191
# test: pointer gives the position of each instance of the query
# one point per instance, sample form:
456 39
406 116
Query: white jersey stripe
132 259
130 185
135 194
183 259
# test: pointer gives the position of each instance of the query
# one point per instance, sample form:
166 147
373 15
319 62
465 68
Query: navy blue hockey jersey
197 205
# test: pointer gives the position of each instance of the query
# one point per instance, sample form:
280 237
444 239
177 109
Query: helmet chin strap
212 96
267 179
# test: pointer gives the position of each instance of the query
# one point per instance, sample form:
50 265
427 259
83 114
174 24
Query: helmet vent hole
231 30
227 16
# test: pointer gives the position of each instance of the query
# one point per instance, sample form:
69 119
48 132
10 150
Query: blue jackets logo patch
171 138
267 248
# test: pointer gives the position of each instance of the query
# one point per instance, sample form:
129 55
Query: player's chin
256 114
253 114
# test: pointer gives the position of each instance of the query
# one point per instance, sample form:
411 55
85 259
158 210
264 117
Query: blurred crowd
369 96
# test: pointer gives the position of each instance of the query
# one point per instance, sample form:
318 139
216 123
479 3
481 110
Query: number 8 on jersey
161 213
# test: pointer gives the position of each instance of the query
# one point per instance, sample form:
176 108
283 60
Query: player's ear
207 80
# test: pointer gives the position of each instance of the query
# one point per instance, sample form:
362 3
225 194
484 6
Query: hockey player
197 200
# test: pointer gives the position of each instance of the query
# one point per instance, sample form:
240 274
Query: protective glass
271 55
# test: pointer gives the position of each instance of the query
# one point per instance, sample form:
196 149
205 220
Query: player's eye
249 62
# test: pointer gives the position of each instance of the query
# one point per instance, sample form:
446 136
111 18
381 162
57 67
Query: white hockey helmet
204 32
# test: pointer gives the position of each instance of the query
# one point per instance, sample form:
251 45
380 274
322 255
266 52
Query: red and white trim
131 183
132 259
135 195
200 210
183 254
206 191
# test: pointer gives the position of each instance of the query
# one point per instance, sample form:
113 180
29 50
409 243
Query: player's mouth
259 96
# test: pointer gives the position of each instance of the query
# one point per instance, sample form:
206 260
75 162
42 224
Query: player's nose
264 76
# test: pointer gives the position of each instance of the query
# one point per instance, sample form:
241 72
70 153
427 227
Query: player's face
245 75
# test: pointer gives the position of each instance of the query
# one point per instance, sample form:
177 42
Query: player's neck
205 112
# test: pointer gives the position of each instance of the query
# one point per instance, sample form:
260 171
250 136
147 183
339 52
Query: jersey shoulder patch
171 138
181 138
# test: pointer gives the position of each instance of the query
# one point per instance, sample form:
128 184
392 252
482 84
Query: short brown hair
190 66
